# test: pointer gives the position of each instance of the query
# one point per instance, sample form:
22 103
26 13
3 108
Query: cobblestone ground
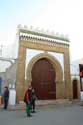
56 115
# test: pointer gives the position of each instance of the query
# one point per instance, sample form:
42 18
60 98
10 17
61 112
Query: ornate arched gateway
47 43
43 72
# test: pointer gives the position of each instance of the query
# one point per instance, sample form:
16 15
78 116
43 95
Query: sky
61 16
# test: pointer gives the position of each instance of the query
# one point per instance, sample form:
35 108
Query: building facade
43 62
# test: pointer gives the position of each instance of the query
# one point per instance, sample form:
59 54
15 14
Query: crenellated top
26 33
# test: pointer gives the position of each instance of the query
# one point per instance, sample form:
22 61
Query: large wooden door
75 93
43 79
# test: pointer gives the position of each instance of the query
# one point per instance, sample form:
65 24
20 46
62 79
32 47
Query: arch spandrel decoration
53 61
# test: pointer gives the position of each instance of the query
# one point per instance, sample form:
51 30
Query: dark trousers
33 105
5 103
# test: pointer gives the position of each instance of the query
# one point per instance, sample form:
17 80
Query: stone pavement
56 115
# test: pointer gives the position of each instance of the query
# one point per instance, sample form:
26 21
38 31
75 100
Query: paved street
56 115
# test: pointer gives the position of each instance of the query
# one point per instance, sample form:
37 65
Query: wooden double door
43 79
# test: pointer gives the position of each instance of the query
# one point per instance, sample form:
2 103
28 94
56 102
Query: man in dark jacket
5 97
33 100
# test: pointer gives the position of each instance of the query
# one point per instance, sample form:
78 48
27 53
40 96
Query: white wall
74 68
4 65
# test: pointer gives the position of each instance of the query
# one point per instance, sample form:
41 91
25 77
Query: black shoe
33 111
5 108
29 115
